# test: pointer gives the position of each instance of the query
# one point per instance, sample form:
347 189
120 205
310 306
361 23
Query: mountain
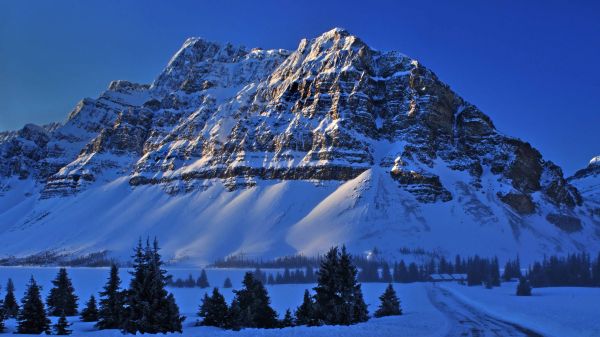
276 152
587 181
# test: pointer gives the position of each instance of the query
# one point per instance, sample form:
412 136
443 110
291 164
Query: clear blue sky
533 66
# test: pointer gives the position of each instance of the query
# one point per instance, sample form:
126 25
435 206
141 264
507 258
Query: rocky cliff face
327 113
587 181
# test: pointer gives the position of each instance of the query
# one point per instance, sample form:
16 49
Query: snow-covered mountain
274 152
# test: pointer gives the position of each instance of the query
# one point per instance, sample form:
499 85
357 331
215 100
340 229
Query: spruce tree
150 309
523 288
202 281
305 313
62 298
338 298
11 307
111 308
214 310
287 320
32 317
254 304
61 327
227 283
390 305
90 312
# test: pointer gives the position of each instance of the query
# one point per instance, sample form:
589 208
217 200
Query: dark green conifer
523 288
61 328
90 312
202 281
62 298
111 309
305 313
214 310
32 317
254 304
390 305
11 307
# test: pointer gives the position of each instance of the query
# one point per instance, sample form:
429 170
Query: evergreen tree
305 313
111 311
62 298
2 315
338 298
254 305
214 310
202 281
523 288
227 284
234 314
386 275
149 308
90 312
390 305
287 321
11 307
32 317
61 327
400 272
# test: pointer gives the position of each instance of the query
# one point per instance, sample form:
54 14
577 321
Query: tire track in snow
467 321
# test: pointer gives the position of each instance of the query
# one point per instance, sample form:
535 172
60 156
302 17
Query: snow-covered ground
447 309
557 312
420 317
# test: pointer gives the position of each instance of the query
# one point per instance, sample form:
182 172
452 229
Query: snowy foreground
442 310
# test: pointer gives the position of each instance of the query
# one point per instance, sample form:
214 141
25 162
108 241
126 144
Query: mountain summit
276 152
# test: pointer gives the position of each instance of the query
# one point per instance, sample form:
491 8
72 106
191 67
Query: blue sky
533 66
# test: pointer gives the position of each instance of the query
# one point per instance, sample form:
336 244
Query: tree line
144 307
337 300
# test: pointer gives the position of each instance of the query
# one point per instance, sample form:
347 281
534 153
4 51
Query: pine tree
62 298
227 283
523 288
150 309
111 310
11 307
90 312
202 281
254 304
32 317
305 313
390 305
214 310
287 320
61 327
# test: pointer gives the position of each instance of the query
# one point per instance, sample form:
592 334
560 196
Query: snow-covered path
465 320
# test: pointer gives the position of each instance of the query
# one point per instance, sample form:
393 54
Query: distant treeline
574 270
97 259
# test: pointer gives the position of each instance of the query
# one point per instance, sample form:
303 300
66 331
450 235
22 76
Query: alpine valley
271 153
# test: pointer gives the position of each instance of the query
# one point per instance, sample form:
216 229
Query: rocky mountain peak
335 118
